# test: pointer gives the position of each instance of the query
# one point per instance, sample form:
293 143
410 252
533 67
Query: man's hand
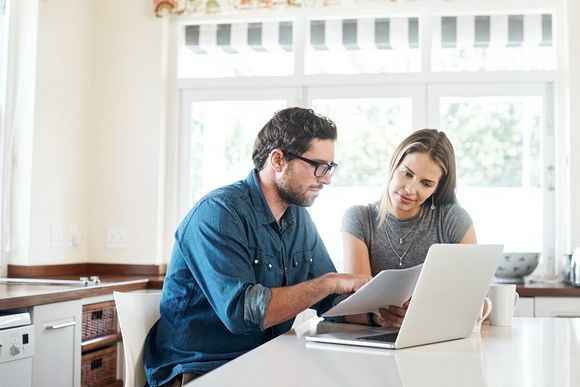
342 283
392 316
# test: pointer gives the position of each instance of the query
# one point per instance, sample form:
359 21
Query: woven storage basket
99 319
99 368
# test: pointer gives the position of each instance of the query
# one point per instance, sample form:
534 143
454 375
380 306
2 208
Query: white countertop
532 352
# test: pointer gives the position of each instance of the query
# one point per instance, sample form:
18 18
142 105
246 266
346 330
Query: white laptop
445 304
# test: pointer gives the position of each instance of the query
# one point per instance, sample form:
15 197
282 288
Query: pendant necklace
401 238
401 256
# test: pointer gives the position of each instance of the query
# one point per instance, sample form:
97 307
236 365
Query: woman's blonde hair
437 145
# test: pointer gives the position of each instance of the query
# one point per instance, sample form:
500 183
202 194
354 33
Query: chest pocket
267 269
300 266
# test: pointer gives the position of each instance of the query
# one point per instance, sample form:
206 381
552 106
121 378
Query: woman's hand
392 316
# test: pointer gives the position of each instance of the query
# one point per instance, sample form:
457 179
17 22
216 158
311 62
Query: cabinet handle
60 326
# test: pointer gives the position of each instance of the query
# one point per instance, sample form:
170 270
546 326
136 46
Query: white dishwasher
16 350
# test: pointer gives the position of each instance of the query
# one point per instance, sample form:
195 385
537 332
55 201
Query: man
247 258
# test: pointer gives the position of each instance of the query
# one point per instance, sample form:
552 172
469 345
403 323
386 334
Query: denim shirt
229 251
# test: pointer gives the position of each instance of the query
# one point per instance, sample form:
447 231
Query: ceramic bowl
515 266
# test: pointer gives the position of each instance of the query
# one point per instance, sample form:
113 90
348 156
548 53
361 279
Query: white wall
59 162
573 64
90 132
127 133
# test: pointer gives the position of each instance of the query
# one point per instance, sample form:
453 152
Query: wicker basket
99 320
99 368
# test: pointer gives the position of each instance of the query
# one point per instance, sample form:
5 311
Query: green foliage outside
491 147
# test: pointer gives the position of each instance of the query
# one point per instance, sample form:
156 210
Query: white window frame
305 87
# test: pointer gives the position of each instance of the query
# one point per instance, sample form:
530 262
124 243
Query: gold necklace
401 256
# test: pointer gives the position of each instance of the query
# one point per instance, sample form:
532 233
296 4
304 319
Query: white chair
137 312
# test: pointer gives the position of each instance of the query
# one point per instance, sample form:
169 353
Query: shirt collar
261 207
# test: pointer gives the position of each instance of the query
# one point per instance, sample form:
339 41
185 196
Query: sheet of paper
389 287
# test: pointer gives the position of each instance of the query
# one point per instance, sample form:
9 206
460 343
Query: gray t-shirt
447 223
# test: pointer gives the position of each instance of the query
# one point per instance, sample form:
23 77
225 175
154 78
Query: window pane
368 132
237 50
363 46
221 144
499 159
493 43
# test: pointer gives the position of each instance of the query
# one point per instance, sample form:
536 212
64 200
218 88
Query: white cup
482 316
505 299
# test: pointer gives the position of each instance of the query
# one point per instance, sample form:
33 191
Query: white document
389 287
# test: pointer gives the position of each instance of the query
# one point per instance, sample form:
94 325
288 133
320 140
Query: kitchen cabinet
57 329
100 342
525 307
548 307
557 306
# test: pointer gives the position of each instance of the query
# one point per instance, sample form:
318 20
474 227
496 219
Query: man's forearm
286 302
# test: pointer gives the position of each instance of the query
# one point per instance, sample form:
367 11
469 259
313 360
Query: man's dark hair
291 130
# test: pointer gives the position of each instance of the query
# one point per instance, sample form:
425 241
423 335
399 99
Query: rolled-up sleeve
256 301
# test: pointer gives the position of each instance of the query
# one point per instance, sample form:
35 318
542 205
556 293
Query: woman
418 208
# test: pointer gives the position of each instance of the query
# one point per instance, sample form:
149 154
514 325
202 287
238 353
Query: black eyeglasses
320 169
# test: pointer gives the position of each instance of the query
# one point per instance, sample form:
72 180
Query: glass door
504 143
217 137
371 122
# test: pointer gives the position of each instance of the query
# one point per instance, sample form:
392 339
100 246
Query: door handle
60 326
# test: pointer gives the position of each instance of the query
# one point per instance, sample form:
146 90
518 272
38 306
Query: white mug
505 299
482 316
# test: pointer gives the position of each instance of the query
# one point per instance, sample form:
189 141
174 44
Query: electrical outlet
117 237
74 236
56 236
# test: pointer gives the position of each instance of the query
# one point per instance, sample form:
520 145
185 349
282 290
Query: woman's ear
277 160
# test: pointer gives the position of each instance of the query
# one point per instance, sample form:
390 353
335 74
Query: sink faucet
94 279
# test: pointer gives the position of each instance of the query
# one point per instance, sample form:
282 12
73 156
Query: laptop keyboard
386 337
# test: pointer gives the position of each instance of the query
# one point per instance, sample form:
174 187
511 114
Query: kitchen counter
532 352
546 289
13 296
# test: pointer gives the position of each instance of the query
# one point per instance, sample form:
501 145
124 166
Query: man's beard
286 188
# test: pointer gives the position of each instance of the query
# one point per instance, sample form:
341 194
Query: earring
432 202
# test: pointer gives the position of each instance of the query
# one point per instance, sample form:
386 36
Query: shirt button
256 261
310 260
269 266
295 263
285 268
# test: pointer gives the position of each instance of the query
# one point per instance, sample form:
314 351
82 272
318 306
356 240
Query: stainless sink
83 281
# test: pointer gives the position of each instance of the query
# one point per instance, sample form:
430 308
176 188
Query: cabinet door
525 307
557 306
58 344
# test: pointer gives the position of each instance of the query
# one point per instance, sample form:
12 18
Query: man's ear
277 160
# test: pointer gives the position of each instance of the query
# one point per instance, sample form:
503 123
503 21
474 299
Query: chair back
137 312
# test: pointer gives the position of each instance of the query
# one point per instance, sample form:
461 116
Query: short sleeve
456 222
356 222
